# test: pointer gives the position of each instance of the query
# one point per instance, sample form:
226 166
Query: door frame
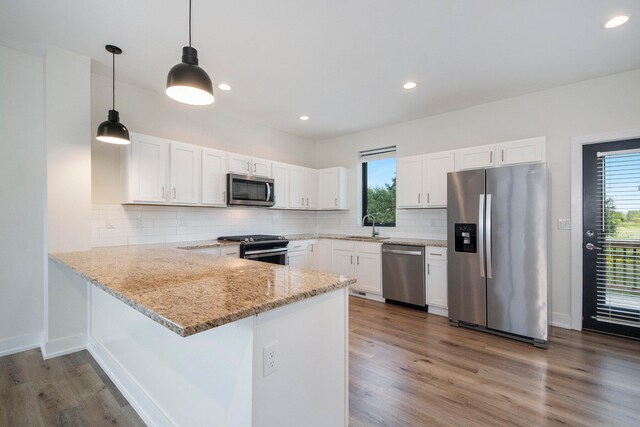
577 142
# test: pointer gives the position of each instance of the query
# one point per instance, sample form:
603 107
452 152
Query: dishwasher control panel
466 237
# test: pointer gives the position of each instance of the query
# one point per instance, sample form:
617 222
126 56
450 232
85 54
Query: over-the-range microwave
247 190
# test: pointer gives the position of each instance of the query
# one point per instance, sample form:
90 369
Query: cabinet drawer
436 253
344 245
368 248
298 246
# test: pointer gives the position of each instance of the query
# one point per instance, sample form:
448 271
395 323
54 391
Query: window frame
367 222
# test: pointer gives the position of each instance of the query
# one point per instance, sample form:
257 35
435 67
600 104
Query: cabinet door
324 251
311 189
185 173
343 262
409 182
214 177
328 188
148 179
296 187
298 259
475 157
531 150
436 167
261 167
239 164
281 185
314 255
369 272
437 283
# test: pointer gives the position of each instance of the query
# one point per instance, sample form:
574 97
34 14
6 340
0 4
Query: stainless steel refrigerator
497 251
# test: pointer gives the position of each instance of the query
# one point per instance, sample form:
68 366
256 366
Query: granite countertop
391 240
190 292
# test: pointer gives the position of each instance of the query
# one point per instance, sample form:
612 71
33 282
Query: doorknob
591 246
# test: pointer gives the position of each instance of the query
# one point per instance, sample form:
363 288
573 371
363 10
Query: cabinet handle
312 247
418 198
302 200
248 167
254 167
174 193
503 155
358 259
427 197
307 201
163 194
428 269
351 259
336 202
490 156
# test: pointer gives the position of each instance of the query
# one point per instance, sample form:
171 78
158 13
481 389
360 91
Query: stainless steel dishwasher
403 274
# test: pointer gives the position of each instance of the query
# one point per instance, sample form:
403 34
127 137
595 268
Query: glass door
611 237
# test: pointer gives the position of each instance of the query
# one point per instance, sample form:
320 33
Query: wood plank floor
66 391
409 368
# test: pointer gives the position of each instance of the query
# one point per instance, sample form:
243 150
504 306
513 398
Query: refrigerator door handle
488 237
481 234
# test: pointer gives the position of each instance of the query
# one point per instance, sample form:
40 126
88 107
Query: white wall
22 248
594 106
154 113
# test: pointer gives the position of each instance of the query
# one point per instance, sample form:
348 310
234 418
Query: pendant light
187 82
111 130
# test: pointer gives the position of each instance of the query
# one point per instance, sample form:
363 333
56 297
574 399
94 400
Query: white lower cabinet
297 253
320 254
362 260
437 280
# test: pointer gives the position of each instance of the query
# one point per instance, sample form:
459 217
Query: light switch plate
564 224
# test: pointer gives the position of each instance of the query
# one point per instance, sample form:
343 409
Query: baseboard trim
136 395
63 346
366 295
13 345
561 320
438 311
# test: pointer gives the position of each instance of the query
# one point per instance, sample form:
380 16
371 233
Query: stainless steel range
261 247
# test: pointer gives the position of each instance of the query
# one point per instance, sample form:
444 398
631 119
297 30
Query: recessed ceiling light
410 85
224 86
305 118
616 22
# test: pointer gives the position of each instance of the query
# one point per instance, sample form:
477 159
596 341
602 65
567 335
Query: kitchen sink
366 237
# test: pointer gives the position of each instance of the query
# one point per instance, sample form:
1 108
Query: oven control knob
251 239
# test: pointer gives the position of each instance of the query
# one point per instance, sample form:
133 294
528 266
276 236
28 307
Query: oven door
274 256
246 190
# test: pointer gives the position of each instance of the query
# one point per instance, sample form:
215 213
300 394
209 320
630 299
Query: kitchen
72 193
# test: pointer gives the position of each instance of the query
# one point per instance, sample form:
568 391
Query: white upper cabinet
530 150
296 187
245 165
333 188
475 157
280 173
214 177
311 189
261 167
145 169
184 167
409 182
436 166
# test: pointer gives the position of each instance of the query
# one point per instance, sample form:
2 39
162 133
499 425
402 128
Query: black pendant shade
111 130
187 82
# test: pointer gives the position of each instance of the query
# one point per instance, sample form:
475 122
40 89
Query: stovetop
251 238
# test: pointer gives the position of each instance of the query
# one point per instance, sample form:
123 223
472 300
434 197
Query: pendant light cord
189 23
113 80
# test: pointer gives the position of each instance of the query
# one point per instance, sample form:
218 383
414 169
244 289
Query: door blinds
618 237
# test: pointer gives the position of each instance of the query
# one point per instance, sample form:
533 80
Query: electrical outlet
270 359
183 222
139 222
564 224
109 223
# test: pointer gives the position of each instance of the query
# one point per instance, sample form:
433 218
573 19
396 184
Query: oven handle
266 251
268 192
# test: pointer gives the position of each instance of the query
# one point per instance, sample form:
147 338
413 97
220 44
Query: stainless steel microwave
247 190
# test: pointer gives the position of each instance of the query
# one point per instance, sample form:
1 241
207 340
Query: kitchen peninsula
224 337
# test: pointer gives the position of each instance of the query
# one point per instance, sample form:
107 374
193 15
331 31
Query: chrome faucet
374 232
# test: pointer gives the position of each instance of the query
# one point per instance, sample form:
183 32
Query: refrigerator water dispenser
466 239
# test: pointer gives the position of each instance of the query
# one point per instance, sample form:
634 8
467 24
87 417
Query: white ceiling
343 62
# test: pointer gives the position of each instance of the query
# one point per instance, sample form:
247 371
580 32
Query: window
379 186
